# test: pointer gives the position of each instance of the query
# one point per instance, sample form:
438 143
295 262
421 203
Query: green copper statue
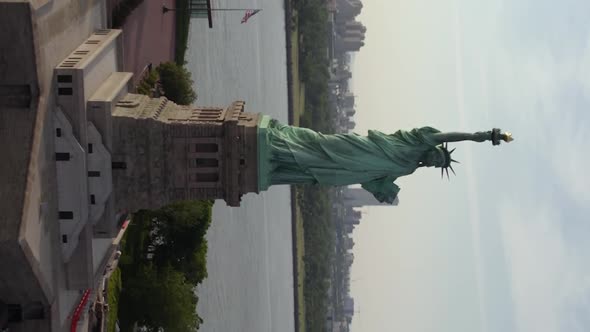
300 155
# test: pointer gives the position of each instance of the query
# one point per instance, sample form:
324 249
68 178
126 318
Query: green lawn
113 290
298 86
298 93
299 238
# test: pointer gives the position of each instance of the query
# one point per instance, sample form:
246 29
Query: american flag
249 13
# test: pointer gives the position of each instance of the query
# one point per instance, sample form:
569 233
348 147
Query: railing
196 9
201 9
79 310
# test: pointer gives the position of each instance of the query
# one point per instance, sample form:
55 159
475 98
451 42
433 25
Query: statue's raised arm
493 135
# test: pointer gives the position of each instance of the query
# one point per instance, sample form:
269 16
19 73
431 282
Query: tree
161 299
147 85
177 83
178 235
164 258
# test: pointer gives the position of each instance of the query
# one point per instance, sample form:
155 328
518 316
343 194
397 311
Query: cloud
545 85
524 66
473 204
550 280
540 89
546 98
568 159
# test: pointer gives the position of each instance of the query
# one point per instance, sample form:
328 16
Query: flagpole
234 9
166 9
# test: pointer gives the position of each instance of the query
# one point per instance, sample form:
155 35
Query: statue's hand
389 199
497 136
383 189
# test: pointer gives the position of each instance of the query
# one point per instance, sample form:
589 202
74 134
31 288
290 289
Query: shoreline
291 117
294 253
288 14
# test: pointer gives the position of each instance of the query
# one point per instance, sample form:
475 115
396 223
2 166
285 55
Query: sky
504 245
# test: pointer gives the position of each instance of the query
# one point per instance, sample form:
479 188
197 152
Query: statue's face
434 158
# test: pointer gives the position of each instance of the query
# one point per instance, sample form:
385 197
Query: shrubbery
315 204
164 259
149 82
173 80
177 83
314 64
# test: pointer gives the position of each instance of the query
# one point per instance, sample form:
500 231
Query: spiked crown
448 160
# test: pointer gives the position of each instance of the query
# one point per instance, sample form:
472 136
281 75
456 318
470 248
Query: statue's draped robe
301 155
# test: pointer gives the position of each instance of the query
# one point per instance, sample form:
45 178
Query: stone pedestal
163 152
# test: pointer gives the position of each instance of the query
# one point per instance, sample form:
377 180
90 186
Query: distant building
351 28
347 100
348 307
353 213
348 228
350 36
340 326
349 44
357 197
348 243
350 125
349 112
348 258
348 9
341 74
350 220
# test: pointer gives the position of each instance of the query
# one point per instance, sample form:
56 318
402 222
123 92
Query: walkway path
148 36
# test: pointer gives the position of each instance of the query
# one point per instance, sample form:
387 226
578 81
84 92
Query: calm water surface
250 283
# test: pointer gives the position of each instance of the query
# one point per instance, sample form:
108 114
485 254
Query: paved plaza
34 38
148 37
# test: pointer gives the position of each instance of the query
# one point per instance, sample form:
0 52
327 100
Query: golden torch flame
508 137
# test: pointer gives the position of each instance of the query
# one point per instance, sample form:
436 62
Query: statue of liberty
302 156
